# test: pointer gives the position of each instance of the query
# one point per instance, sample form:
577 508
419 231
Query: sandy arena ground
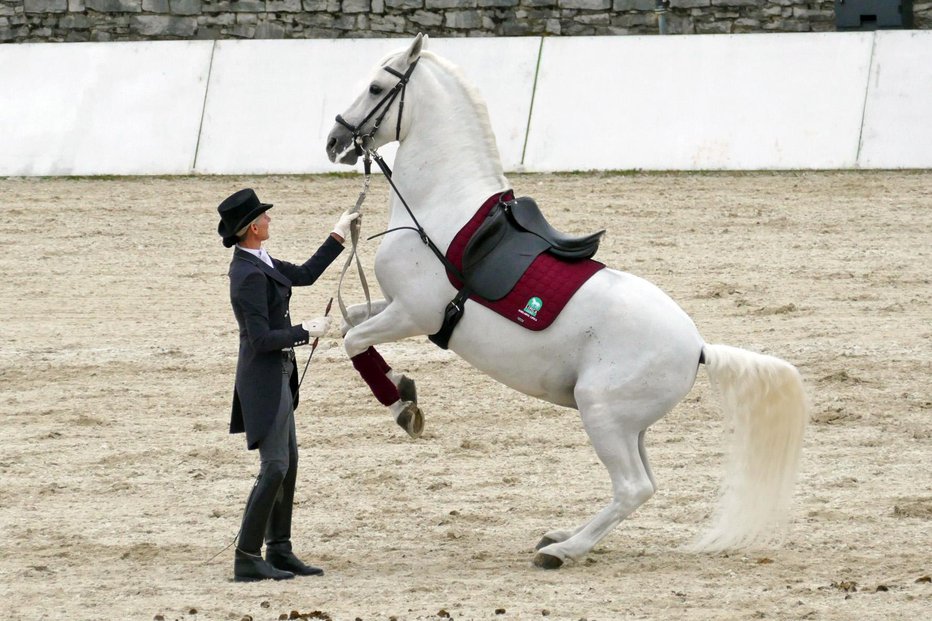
120 482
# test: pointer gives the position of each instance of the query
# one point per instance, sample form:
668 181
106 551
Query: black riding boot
248 564
278 534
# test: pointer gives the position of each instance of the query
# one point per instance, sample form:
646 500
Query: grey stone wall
137 20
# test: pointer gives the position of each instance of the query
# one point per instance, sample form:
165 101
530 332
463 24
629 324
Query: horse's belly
540 364
551 379
617 328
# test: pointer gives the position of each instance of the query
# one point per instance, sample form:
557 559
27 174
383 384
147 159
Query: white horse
621 352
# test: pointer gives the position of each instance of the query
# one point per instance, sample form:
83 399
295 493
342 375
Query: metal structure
873 14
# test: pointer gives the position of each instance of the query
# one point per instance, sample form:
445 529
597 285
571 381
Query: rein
355 227
372 154
417 225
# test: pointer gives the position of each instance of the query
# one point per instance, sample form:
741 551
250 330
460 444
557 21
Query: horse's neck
448 164
449 158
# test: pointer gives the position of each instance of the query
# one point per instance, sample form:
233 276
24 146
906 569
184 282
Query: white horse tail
766 412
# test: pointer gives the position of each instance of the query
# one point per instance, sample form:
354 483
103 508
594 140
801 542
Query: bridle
362 145
361 141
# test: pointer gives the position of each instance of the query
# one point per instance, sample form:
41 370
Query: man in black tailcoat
266 390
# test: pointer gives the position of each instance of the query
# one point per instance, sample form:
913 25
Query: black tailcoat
260 296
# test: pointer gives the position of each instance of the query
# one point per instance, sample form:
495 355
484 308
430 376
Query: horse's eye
375 89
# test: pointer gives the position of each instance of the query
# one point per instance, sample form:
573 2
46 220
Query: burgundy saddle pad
543 291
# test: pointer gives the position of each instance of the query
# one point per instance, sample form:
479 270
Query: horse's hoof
544 542
407 390
411 420
547 561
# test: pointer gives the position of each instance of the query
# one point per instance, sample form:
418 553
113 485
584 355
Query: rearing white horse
621 352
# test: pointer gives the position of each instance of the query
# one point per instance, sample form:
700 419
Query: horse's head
376 116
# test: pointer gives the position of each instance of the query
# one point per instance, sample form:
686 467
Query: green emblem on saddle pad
533 305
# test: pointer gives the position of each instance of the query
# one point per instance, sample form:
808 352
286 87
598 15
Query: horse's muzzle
341 147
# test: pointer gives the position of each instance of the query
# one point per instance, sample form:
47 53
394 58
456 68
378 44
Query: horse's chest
402 266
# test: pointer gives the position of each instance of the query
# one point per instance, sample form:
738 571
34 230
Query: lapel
269 271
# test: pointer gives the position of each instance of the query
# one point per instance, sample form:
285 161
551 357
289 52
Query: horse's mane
472 97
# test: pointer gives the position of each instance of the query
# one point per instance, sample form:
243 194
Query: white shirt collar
260 252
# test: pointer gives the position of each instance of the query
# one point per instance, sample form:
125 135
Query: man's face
262 226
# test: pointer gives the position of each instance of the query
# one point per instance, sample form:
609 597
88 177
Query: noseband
384 104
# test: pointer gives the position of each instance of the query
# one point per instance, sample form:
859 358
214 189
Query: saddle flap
497 256
490 233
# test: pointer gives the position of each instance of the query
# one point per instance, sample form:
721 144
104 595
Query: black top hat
236 211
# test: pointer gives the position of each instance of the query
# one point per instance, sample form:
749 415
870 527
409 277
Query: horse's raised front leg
617 446
393 390
357 313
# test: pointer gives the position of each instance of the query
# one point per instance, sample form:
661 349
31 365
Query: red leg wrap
369 365
383 366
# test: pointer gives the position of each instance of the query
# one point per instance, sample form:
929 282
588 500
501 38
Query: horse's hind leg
642 451
618 446
556 536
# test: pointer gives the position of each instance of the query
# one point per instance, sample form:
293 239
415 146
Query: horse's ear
419 43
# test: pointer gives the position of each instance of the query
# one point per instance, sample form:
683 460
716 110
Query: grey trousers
268 510
280 446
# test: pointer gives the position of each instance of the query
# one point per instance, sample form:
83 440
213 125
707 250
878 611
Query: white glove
316 327
342 227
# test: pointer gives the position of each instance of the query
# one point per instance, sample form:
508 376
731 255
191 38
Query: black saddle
512 235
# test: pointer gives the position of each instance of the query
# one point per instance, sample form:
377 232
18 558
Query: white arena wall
101 109
729 102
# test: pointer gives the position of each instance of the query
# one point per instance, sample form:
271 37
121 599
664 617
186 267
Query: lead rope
355 227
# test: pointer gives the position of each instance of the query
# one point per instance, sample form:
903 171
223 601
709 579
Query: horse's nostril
331 144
